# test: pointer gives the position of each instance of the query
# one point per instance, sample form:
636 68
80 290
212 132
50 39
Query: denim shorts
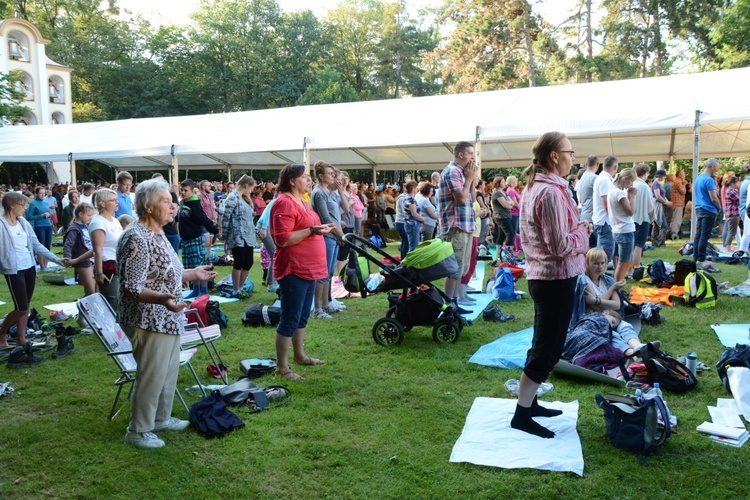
625 243
604 239
641 234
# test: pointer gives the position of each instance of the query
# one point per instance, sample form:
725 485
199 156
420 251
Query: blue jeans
174 240
403 247
332 252
703 225
412 231
296 300
44 235
605 240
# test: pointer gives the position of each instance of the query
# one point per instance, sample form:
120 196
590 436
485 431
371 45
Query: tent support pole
72 170
175 167
229 174
696 152
478 151
306 154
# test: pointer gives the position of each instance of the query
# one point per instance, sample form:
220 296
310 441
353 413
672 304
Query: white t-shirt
112 231
602 185
621 222
87 199
424 203
20 244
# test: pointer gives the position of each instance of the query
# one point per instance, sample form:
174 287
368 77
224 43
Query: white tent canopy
643 119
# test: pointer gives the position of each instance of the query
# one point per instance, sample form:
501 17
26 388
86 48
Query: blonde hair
595 254
624 174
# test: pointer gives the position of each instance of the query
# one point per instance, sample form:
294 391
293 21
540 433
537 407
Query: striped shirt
452 213
554 244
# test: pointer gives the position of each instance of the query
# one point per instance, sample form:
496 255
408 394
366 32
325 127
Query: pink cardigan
553 242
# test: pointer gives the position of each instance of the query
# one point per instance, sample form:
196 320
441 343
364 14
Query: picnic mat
68 308
477 281
483 300
509 351
731 335
488 439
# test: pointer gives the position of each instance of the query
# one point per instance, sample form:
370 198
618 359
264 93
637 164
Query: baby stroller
419 303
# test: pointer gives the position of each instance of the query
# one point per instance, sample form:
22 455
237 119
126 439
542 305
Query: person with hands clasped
620 207
458 183
554 242
150 312
327 206
299 262
105 230
18 244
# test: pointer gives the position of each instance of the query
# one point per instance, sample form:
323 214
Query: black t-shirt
171 228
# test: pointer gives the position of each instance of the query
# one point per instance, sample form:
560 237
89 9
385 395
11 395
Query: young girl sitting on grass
77 247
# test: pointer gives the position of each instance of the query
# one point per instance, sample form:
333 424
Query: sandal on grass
289 375
308 361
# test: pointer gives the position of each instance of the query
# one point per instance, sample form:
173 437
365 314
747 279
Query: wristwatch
312 230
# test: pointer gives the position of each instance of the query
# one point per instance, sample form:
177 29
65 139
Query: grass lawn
373 422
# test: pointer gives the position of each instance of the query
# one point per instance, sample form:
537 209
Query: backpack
657 271
246 393
701 290
504 288
257 367
682 268
351 275
739 355
633 425
199 305
672 375
211 417
215 316
260 315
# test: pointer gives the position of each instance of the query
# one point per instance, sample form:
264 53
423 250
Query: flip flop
289 375
308 361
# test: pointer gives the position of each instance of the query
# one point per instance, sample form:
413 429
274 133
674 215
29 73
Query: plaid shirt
732 208
678 199
453 214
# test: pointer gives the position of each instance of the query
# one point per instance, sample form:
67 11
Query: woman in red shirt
299 261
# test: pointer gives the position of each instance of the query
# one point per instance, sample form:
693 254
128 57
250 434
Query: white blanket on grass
488 439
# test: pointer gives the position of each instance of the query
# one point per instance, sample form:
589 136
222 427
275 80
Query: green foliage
329 87
730 36
11 98
371 422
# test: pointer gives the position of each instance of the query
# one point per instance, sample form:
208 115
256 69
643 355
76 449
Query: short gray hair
712 162
146 194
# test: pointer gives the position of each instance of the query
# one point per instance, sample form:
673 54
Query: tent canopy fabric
637 120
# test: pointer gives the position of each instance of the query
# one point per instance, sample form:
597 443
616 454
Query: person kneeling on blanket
599 341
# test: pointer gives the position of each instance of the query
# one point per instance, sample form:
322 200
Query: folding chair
100 317
197 333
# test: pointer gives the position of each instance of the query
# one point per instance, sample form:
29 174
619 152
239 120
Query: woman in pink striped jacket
555 244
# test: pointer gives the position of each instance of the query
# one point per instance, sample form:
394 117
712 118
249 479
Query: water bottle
692 362
657 390
639 396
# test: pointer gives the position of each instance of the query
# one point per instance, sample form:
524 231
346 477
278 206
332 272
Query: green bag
700 290
427 254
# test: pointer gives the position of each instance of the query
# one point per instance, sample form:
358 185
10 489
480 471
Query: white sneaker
321 314
172 424
338 304
143 439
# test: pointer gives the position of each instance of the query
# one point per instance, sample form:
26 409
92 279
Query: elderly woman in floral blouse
150 312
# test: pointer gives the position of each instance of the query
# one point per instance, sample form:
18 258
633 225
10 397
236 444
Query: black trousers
553 308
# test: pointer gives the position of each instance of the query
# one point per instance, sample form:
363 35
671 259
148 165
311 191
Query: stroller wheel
445 331
387 331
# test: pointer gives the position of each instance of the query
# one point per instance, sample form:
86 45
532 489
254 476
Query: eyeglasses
571 153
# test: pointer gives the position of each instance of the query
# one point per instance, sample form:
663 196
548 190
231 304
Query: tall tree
494 45
355 27
400 54
237 43
329 87
11 97
730 38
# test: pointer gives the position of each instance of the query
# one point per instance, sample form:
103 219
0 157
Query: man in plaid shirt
456 209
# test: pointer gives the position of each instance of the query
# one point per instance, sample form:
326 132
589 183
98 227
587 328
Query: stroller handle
354 242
